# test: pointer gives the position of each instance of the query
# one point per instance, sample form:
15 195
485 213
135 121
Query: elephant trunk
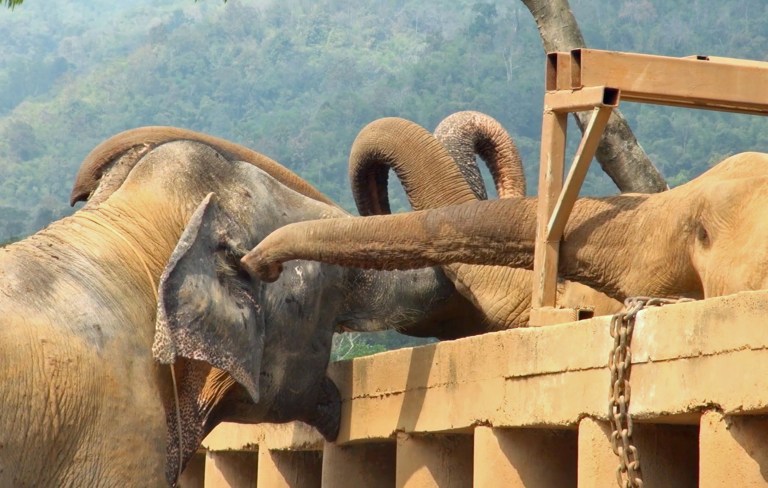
604 241
415 156
432 180
467 133
458 234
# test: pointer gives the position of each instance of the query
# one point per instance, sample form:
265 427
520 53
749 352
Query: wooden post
553 132
572 186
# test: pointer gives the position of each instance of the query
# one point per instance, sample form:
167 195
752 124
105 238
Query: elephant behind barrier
96 306
502 293
706 236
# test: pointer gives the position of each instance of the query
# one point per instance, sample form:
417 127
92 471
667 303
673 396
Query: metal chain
628 473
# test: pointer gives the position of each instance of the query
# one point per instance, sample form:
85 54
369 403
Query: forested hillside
297 80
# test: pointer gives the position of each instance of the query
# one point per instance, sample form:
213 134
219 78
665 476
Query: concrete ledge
687 358
294 436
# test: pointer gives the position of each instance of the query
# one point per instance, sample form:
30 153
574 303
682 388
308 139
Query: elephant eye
702 235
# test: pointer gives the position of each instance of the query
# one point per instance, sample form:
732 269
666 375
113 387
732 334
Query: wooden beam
563 77
582 99
737 61
698 82
578 171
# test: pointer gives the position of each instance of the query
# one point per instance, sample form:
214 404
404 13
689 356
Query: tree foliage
11 4
298 79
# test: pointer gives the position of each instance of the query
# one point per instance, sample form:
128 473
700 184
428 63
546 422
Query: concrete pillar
733 451
289 469
596 461
193 475
524 458
371 465
230 469
668 454
436 460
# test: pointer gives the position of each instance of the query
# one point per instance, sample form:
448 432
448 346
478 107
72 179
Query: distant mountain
297 80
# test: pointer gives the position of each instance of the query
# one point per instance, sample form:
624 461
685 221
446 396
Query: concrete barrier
529 408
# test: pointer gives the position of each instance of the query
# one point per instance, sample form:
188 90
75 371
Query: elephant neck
606 239
118 251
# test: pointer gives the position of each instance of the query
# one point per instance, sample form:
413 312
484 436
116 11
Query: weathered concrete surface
687 359
596 461
439 461
289 469
668 454
733 451
230 469
240 437
708 353
524 458
194 474
371 465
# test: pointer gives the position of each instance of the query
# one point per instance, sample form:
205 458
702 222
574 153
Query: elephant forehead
277 198
736 198
182 166
742 165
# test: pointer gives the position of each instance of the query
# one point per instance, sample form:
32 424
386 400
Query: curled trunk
467 133
431 178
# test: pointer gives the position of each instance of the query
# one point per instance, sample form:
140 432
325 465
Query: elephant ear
207 308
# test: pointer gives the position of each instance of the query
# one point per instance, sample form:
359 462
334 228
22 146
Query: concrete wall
528 408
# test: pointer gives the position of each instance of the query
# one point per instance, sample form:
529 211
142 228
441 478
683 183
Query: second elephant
431 179
702 239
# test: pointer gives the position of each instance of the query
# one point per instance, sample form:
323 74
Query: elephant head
107 287
434 181
430 308
699 240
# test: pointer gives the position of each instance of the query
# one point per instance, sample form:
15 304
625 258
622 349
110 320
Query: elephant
502 293
129 329
707 236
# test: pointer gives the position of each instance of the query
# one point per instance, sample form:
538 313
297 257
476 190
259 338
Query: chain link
628 473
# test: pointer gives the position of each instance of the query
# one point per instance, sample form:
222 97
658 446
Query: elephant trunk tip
256 266
78 195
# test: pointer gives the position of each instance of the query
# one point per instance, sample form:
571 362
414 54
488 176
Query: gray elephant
129 331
